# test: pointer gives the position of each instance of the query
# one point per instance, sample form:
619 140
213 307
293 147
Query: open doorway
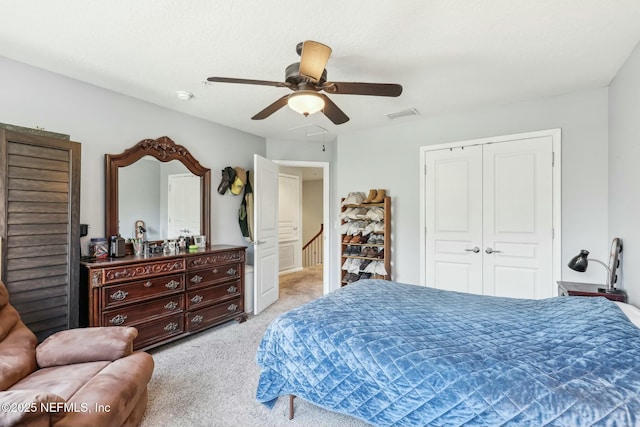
302 216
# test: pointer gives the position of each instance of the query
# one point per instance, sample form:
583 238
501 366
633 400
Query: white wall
107 122
311 209
624 171
389 158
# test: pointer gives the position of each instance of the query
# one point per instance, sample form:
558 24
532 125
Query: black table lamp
581 261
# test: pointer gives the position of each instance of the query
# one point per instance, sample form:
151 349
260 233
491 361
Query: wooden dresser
165 296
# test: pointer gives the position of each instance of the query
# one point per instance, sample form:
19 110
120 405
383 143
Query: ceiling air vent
403 113
309 130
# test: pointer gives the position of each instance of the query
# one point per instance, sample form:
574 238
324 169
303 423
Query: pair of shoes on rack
354 277
375 213
375 196
376 239
375 267
352 251
354 213
350 277
356 238
365 263
351 265
353 227
369 252
354 198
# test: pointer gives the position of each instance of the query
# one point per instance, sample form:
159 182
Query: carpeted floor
210 379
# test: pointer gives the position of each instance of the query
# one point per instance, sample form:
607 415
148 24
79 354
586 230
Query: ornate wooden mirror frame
165 150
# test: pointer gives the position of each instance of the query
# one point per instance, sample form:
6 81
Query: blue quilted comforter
393 354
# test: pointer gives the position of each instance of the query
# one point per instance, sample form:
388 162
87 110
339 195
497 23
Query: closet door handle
474 250
491 251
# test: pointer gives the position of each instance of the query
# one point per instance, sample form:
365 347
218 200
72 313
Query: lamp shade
305 102
580 261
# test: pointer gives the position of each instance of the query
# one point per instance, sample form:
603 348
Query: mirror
153 181
158 200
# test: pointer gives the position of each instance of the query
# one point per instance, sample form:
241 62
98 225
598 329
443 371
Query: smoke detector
184 95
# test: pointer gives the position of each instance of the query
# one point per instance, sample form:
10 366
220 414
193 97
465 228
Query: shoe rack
366 236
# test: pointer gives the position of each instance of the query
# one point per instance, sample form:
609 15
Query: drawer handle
232 307
231 271
171 327
172 284
215 270
196 279
118 320
197 319
148 284
196 299
171 305
231 289
119 295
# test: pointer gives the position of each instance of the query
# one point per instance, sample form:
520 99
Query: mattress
395 354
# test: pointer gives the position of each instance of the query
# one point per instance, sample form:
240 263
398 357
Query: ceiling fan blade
333 112
313 59
272 108
248 81
352 88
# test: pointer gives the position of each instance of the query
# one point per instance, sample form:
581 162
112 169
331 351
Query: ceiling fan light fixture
305 102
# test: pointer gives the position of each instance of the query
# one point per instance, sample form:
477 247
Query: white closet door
454 219
517 218
489 218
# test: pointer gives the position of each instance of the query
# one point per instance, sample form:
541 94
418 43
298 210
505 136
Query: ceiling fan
307 79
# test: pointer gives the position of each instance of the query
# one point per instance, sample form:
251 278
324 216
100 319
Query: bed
395 354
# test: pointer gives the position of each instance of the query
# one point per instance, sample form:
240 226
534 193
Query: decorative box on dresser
166 296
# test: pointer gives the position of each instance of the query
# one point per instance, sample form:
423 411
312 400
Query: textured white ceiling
449 55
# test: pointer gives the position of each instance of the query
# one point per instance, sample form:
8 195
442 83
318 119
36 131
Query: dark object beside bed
405 355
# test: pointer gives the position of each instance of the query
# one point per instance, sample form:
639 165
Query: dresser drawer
158 330
213 294
126 293
208 316
141 271
132 314
199 261
215 274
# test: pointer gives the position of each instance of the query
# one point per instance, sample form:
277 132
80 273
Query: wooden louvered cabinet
39 226
166 297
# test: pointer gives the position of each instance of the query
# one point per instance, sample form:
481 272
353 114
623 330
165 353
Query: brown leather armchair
79 377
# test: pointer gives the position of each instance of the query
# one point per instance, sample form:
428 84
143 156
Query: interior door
517 218
183 205
489 218
454 219
289 207
265 266
290 238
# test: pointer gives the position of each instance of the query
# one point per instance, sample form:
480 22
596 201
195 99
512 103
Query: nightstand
588 290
